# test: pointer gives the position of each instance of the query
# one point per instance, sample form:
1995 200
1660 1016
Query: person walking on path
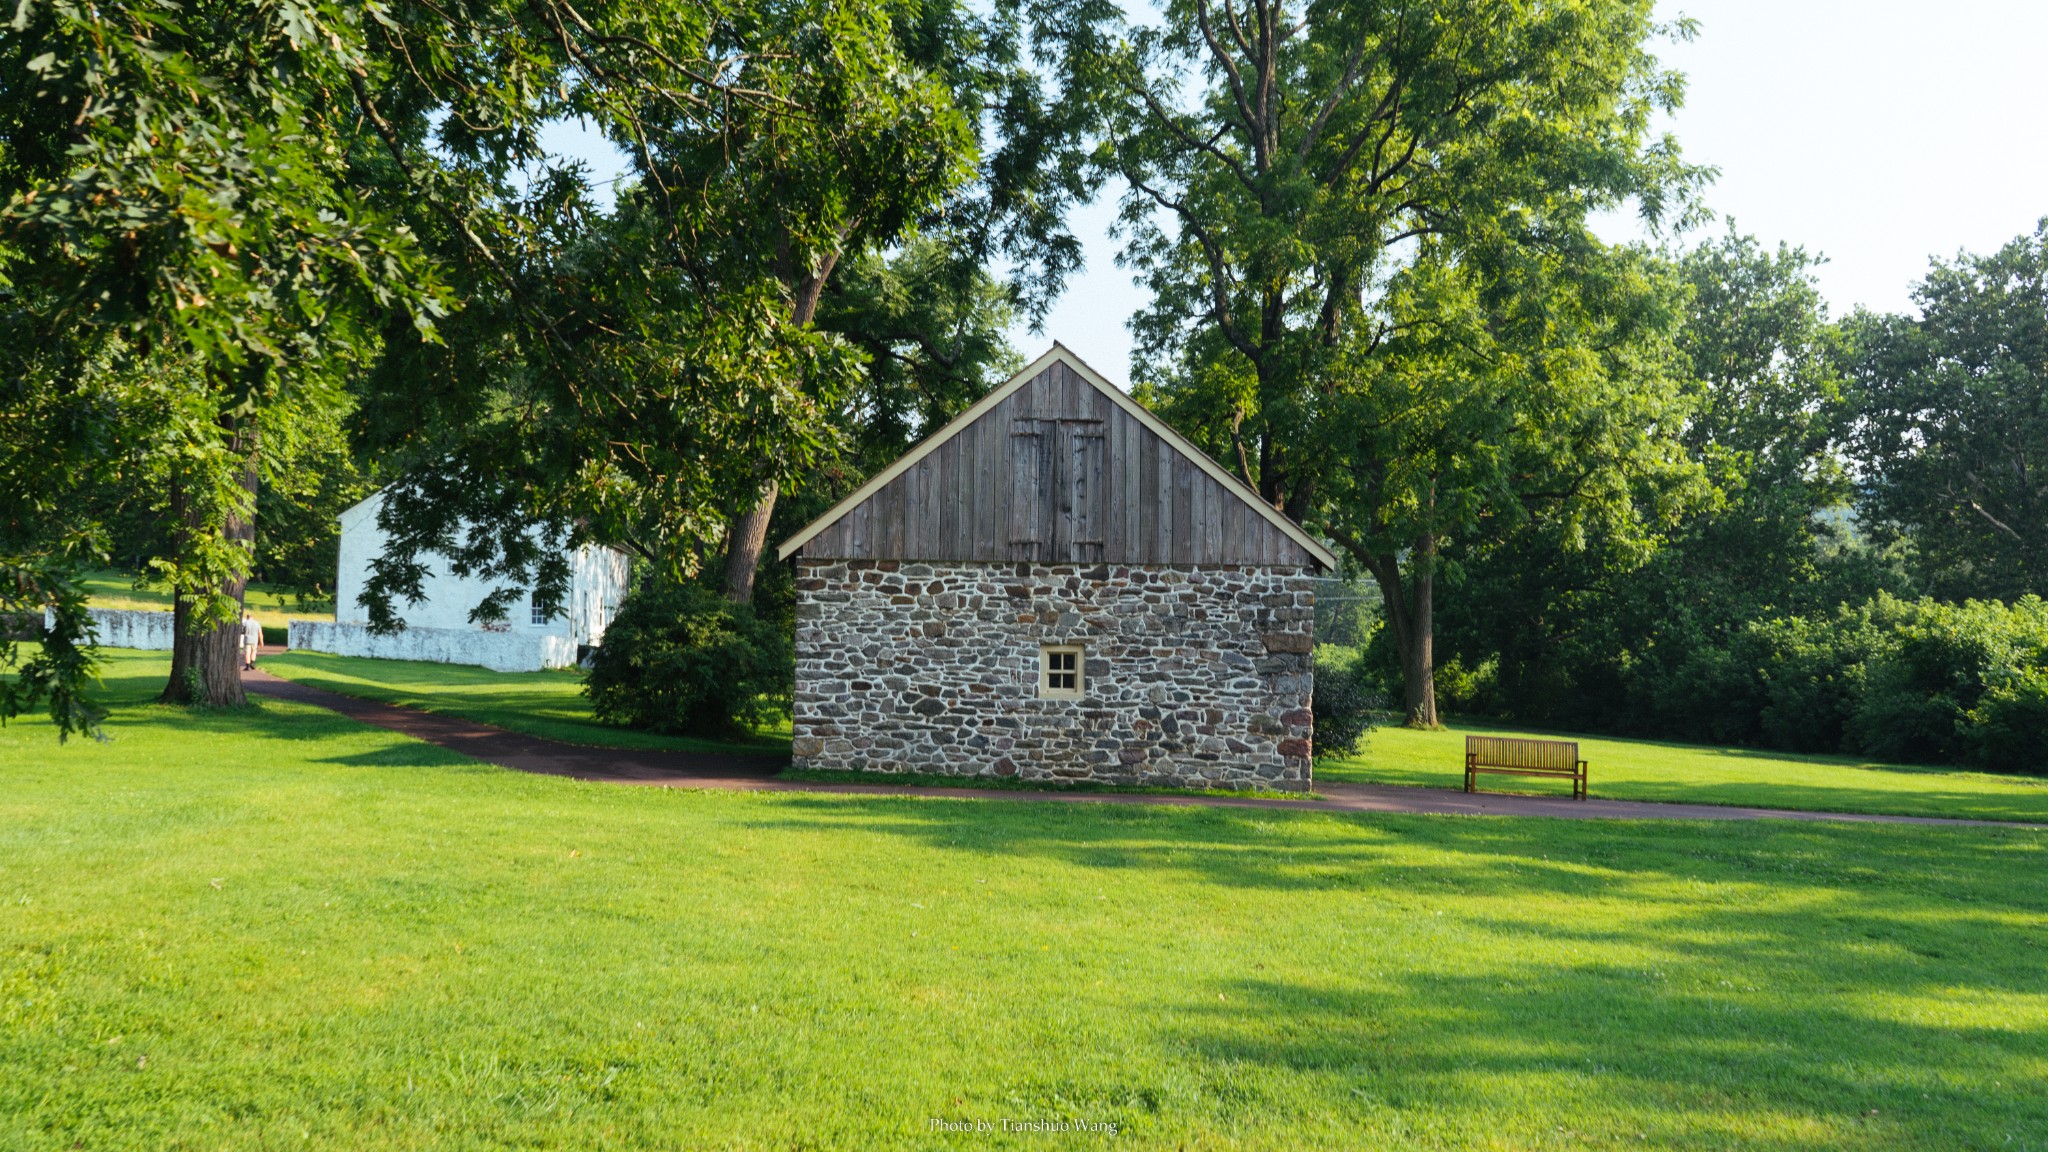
252 639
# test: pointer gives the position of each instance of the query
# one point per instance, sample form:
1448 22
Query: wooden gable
1058 466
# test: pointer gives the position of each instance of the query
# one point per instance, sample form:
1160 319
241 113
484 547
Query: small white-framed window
1062 672
535 614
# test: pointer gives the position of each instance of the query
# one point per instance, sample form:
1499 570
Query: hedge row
1912 681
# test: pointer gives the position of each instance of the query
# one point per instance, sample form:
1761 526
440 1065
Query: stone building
1056 586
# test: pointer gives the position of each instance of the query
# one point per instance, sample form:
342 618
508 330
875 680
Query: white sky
1877 133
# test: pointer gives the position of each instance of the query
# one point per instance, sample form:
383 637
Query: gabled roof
355 513
1059 353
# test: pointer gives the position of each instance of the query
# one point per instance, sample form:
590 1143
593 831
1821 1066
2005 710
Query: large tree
179 194
1610 635
242 201
1952 436
921 119
1375 292
659 376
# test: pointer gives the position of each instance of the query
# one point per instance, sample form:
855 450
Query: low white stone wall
498 651
128 628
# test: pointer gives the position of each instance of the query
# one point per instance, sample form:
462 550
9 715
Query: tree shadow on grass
547 703
132 682
1939 802
1506 1050
2019 798
1826 759
1288 849
409 754
131 685
1761 985
1607 744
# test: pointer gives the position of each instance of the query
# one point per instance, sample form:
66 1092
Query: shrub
1463 689
1920 681
2009 727
1906 680
1810 674
1958 683
684 659
1343 705
1712 693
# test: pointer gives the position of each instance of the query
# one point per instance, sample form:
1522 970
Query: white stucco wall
498 651
128 628
597 584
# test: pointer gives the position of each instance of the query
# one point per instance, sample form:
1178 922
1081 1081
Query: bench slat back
1509 752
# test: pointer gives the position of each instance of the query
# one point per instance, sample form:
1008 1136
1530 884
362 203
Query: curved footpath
758 773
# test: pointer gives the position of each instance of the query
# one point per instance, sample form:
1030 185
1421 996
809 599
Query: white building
438 628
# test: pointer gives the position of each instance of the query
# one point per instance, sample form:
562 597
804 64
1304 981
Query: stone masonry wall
1194 676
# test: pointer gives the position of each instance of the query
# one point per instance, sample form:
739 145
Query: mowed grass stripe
275 927
551 704
110 588
1695 774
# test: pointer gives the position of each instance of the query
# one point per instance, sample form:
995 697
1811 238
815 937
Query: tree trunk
1411 611
745 542
1418 660
206 664
747 538
206 668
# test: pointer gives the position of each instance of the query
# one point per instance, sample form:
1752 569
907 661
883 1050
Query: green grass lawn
549 703
1696 774
1013 784
110 588
274 928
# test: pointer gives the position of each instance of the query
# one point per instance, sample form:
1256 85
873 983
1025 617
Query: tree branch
1172 124
1337 94
1229 66
1219 273
1995 522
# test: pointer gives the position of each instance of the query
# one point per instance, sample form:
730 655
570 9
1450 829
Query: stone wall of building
1195 676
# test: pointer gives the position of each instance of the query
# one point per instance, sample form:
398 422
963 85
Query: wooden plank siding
1057 473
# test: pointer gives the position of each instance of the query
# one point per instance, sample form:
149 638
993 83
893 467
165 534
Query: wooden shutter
1086 492
1030 477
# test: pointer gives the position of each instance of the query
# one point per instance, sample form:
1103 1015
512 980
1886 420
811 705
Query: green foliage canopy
183 215
1374 291
656 376
1952 434
1589 634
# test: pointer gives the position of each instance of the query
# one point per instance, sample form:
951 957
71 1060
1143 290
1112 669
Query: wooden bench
1509 756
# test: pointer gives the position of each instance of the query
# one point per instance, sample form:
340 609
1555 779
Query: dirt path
758 773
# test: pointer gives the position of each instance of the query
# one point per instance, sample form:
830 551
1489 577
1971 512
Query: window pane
1059 671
